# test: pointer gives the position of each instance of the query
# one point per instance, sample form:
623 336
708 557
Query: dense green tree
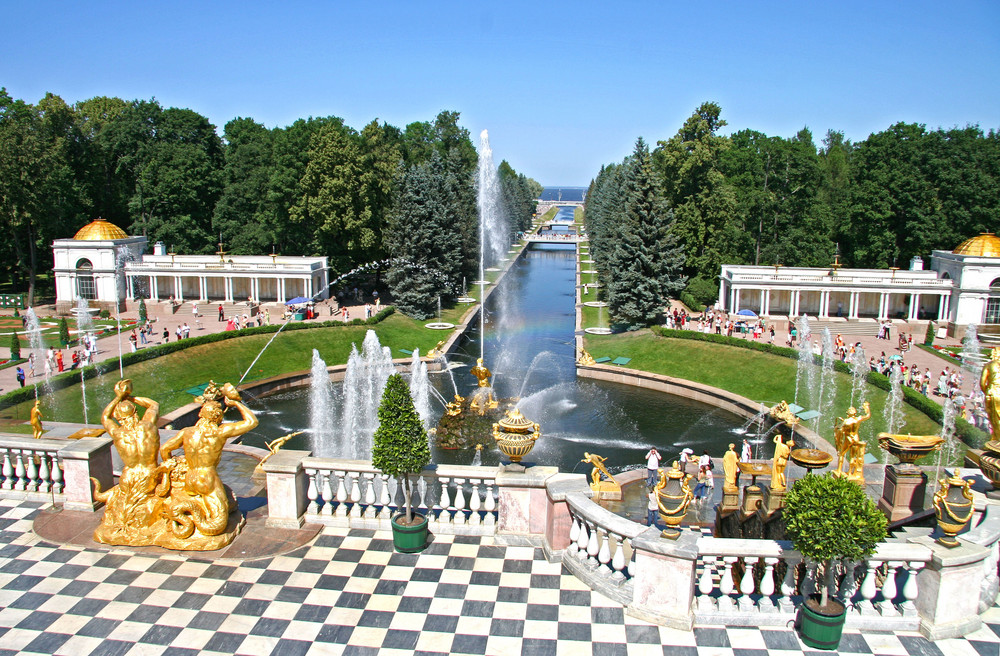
688 165
400 447
645 262
240 213
517 198
424 239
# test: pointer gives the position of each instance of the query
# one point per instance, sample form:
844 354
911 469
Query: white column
281 290
736 300
883 305
946 315
732 300
824 304
202 288
129 292
154 292
253 288
760 309
228 281
767 303
914 306
793 310
179 288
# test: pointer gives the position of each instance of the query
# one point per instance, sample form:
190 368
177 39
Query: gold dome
984 245
100 230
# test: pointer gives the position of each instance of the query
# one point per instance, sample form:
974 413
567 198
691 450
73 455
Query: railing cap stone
286 461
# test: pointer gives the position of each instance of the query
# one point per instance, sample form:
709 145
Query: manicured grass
757 376
165 379
594 317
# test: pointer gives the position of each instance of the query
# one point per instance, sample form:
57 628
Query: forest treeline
315 187
749 198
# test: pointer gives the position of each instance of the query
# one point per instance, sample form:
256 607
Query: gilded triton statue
989 383
850 447
36 420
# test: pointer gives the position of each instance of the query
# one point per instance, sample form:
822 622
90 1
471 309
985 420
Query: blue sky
562 87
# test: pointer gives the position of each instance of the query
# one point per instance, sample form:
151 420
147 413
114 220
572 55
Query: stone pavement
348 592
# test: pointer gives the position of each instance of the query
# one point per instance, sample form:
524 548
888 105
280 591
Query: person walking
59 360
745 452
652 466
222 315
699 489
20 376
652 508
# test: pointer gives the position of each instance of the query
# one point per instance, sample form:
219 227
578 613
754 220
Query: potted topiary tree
400 448
15 346
829 519
142 311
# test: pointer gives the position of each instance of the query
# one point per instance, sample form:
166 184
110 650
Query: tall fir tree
646 261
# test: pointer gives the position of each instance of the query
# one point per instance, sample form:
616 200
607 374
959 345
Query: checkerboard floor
349 593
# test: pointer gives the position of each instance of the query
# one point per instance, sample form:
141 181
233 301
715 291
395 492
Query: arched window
85 287
993 303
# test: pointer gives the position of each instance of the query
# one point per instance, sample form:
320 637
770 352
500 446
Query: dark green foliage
704 290
645 261
241 213
400 446
828 518
104 314
929 335
518 198
143 317
15 346
64 331
425 240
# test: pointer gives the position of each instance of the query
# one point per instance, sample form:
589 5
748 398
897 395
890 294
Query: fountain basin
588 271
810 459
466 299
597 331
595 304
909 448
439 325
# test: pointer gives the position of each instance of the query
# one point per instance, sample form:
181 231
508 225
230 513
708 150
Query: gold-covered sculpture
603 489
36 420
515 435
585 359
273 447
482 401
953 507
780 462
909 448
179 503
731 469
781 412
673 495
989 383
454 408
435 352
850 446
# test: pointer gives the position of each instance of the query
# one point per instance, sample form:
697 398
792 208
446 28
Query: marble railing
762 582
456 499
54 470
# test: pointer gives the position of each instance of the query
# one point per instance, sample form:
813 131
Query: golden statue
989 383
481 373
480 401
781 451
273 447
36 420
200 504
606 489
435 352
585 359
454 408
850 447
782 412
731 469
179 503
673 495
132 513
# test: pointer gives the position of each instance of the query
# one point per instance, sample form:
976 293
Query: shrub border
67 378
965 431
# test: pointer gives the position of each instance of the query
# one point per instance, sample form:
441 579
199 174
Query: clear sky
562 87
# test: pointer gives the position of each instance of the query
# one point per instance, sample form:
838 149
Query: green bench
602 360
621 361
406 351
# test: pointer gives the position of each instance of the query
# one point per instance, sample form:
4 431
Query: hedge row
965 431
68 378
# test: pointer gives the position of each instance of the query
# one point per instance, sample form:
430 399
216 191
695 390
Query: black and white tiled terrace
347 592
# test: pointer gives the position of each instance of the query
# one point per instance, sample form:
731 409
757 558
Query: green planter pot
821 630
409 539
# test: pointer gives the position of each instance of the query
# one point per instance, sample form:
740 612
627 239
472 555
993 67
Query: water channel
529 327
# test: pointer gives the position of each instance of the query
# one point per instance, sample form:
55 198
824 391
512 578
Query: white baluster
593 546
574 535
848 584
355 497
341 493
474 518
491 505
745 601
312 493
460 514
808 585
869 589
631 559
326 492
422 487
8 472
384 499
767 585
604 554
57 475
910 588
889 591
727 585
618 560
583 540
19 471
369 510
445 502
706 584
787 589
32 473
44 484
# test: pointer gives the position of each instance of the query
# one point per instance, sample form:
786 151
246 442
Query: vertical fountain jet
493 235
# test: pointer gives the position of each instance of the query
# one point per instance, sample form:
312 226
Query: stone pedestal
752 496
772 501
903 492
730 499
286 489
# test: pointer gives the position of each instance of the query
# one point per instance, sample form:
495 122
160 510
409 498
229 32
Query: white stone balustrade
54 470
456 499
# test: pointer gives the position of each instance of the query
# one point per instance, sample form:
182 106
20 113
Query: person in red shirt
59 360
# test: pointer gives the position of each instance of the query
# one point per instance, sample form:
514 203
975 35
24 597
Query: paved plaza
348 592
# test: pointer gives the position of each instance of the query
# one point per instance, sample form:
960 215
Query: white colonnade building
103 265
962 287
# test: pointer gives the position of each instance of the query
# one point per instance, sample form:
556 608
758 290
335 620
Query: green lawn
757 376
166 378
